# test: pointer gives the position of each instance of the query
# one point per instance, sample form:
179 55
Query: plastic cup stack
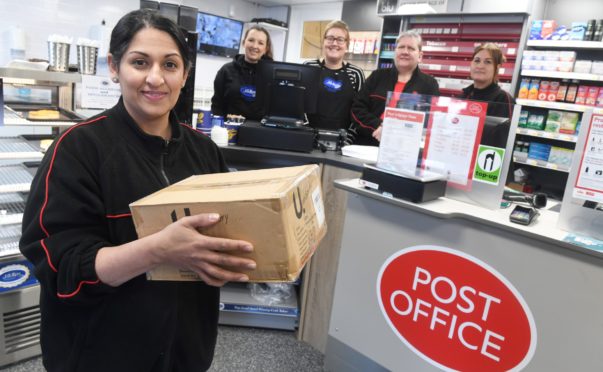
87 54
58 52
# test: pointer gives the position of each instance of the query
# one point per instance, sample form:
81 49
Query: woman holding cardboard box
99 313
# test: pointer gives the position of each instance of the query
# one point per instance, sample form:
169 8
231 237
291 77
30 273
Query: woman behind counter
235 85
487 59
404 77
339 80
98 310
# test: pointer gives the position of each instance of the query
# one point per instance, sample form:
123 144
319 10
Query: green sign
488 164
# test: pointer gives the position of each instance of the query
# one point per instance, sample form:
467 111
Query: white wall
303 13
567 11
76 18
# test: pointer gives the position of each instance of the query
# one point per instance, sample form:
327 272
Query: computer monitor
496 131
288 89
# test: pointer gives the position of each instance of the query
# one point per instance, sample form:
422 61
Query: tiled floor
242 349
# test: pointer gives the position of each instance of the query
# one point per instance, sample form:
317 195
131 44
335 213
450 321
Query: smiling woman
235 85
98 311
339 80
151 73
487 59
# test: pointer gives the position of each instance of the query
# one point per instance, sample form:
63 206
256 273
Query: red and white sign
455 311
453 136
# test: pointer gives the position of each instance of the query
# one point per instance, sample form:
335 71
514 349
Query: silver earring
115 80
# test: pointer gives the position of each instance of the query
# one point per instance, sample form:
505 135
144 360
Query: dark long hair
131 23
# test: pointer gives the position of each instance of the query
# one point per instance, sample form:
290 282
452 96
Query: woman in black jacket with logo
485 63
98 311
404 77
235 85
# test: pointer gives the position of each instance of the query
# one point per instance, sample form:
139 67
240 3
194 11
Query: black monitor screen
218 35
496 131
283 75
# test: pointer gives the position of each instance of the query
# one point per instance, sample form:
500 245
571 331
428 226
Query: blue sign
248 92
16 274
332 85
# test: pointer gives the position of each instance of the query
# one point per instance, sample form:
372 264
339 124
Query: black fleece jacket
500 103
369 104
78 203
235 88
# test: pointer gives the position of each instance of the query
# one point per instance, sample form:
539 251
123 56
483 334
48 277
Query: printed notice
452 144
400 140
589 183
99 92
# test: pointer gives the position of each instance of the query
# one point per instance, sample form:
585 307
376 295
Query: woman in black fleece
486 61
98 311
235 85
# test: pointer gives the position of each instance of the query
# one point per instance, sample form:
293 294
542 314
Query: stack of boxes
591 30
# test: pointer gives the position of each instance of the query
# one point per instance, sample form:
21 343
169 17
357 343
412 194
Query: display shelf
14 178
517 158
449 42
40 76
9 240
12 206
553 105
565 44
270 26
18 148
12 117
562 75
542 134
238 307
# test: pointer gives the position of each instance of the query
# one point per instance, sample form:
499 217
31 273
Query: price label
551 166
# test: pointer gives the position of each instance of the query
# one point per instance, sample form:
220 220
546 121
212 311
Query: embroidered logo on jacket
332 85
248 92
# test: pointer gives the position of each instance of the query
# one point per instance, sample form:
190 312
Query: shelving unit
448 44
539 163
553 177
549 135
552 105
238 307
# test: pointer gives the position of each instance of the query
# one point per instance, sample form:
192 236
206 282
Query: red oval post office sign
455 311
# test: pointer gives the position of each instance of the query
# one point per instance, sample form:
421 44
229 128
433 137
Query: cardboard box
280 211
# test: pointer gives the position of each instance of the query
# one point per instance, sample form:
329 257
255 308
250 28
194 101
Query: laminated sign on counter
280 211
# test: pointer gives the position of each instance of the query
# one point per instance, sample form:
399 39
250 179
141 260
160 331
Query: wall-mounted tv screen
219 36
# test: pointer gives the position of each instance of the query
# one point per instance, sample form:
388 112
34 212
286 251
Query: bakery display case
38 102
36 105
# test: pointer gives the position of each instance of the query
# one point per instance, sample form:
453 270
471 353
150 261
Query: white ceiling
290 2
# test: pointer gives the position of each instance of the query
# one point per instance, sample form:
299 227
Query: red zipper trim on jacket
123 215
54 154
360 123
46 251
377 96
79 287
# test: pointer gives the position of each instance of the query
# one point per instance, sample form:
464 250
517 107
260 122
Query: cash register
288 92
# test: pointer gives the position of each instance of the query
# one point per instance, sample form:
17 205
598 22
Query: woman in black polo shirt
339 80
